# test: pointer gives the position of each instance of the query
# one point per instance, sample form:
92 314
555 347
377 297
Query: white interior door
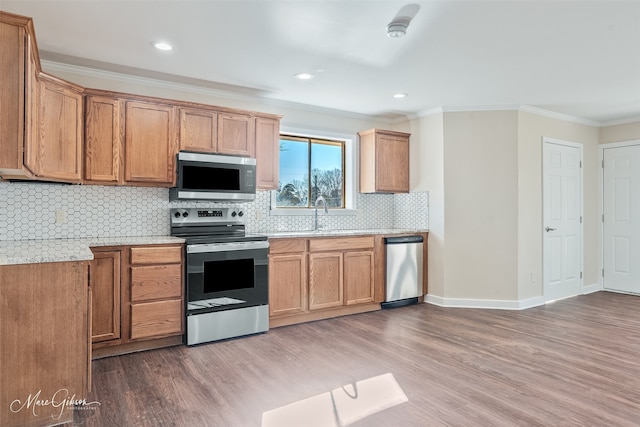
562 200
621 222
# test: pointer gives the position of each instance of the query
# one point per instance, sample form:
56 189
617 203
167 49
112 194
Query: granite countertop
60 250
337 233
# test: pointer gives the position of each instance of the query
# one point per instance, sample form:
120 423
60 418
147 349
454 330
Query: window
309 168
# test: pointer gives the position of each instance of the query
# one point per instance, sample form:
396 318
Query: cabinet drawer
282 246
156 282
153 319
156 254
340 243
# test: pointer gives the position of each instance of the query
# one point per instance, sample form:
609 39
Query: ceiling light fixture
400 95
398 27
303 76
162 46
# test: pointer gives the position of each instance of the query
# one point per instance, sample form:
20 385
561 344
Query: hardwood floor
573 362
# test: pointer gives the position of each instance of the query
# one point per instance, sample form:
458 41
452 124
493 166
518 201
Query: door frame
580 146
601 148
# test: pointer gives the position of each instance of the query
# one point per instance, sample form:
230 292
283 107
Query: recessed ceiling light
400 95
304 76
162 45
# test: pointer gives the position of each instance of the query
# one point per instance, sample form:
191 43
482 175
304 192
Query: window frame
310 144
350 171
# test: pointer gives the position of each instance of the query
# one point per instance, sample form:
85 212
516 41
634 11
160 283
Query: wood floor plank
573 362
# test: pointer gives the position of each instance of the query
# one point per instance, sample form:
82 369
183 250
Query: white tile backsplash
28 212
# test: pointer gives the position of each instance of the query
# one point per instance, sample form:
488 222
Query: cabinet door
392 163
104 125
198 130
235 134
105 289
358 277
287 284
55 152
267 153
325 280
150 143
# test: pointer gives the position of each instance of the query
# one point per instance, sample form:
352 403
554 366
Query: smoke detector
398 27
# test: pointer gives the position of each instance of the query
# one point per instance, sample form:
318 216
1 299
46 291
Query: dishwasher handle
402 240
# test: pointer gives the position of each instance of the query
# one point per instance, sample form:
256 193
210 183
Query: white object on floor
341 407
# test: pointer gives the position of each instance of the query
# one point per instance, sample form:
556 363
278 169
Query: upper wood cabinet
235 134
12 97
384 161
104 136
122 139
41 120
267 153
198 130
150 143
55 151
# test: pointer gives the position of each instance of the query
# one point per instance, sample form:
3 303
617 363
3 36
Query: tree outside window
310 168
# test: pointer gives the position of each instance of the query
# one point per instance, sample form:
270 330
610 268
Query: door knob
547 229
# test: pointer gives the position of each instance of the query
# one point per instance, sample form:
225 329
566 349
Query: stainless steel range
226 274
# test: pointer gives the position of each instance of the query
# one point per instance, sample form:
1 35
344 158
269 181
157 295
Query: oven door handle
226 247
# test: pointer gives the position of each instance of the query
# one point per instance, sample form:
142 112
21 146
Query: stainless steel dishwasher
403 270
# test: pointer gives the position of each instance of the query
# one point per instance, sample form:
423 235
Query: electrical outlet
61 216
533 277
258 214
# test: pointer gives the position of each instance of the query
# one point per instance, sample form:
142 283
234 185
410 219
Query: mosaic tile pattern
411 210
28 212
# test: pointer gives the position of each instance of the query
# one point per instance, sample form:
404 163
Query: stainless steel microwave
216 177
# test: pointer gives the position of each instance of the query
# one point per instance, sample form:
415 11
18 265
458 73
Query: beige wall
480 182
427 174
531 129
483 171
617 133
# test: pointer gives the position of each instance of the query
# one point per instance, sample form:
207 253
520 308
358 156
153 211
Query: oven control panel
201 216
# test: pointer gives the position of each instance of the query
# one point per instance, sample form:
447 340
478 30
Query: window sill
311 212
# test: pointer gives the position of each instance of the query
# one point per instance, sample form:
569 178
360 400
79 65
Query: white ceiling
580 58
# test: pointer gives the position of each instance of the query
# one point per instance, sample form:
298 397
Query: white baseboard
589 289
485 303
499 304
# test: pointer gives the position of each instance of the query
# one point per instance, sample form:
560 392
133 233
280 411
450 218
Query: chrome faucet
324 202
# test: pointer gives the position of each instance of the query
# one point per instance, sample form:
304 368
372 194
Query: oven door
222 276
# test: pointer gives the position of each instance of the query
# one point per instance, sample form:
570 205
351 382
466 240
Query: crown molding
55 66
615 122
559 116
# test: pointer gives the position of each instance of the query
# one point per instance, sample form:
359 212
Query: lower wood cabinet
359 277
311 279
44 342
287 269
137 298
105 283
